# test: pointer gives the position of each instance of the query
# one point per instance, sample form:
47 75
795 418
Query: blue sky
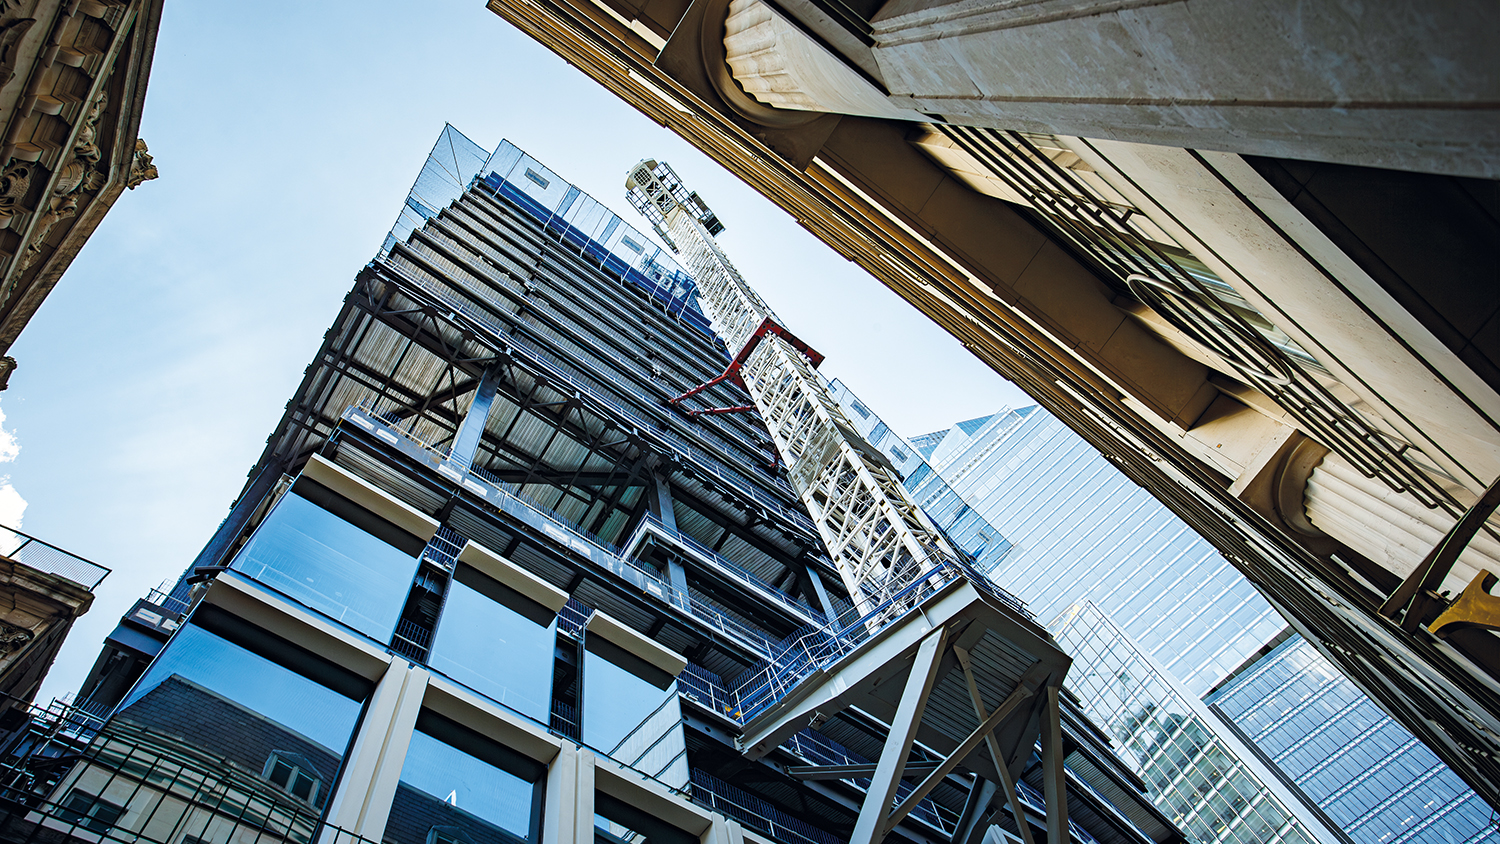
287 135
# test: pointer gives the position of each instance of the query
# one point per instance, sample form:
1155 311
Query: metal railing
50 559
754 812
162 597
444 547
544 362
126 783
803 653
650 522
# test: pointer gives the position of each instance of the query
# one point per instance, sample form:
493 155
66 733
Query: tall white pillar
362 804
569 814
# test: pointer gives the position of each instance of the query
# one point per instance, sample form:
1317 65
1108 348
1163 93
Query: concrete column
362 804
569 815
724 831
466 441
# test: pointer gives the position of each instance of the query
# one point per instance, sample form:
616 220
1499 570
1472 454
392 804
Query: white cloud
10 447
12 505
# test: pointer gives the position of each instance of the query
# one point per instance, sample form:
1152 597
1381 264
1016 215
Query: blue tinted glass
464 797
241 706
495 651
615 702
330 565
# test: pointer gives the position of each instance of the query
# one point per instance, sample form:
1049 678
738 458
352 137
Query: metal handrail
550 365
650 520
801 655
50 559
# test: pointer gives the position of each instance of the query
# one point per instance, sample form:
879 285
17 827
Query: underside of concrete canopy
965 676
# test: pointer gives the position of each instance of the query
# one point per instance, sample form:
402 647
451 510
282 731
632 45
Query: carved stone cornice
70 118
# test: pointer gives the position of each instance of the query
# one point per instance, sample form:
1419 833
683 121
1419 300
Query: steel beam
970 828
871 827
967 746
466 441
1007 782
1054 777
845 772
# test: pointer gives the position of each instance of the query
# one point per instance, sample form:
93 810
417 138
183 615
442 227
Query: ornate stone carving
141 168
73 179
13 638
10 46
14 182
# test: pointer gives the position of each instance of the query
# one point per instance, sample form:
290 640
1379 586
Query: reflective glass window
497 642
203 679
459 786
618 822
631 713
230 712
335 557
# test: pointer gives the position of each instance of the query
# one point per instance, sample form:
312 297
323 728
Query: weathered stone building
72 83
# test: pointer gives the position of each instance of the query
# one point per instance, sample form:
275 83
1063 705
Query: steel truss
873 531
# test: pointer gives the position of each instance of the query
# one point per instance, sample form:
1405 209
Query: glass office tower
484 586
1366 772
1209 784
1071 526
1074 528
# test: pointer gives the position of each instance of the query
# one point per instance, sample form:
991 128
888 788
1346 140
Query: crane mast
877 537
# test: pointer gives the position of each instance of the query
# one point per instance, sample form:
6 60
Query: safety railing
573 617
821 750
137 786
754 812
803 653
162 597
444 547
509 500
553 367
1037 802
651 523
50 559
707 689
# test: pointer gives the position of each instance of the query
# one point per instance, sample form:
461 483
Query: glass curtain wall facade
1075 529
1365 771
1207 784
485 587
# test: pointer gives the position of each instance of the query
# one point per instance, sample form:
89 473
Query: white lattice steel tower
875 534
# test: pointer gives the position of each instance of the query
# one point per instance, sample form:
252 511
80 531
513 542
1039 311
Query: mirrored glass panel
618 822
496 642
480 794
320 549
226 735
631 712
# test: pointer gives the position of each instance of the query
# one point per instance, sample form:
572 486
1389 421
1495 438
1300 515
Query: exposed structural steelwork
483 449
1368 279
874 533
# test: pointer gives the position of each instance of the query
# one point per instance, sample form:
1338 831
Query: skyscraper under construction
560 540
